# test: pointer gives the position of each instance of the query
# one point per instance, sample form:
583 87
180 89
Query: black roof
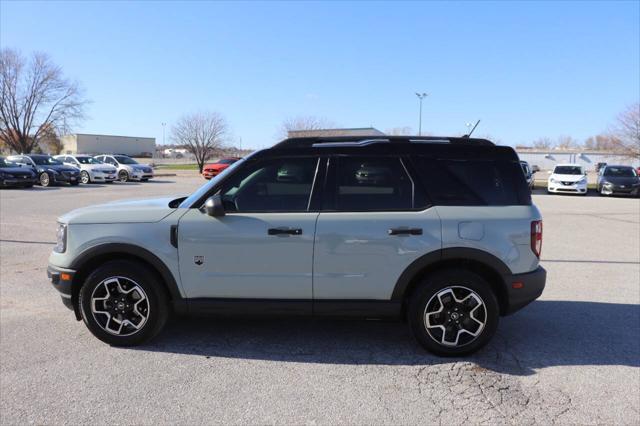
317 140
444 147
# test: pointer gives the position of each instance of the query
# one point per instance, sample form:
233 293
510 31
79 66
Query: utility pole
163 126
420 96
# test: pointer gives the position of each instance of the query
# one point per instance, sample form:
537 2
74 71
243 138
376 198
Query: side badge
198 260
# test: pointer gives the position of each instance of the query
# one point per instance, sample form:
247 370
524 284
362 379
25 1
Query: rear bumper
532 285
62 279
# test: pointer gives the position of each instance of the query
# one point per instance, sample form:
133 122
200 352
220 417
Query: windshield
568 170
125 160
227 161
6 163
88 160
620 172
45 160
200 192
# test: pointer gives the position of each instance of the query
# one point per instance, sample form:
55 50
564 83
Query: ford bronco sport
438 231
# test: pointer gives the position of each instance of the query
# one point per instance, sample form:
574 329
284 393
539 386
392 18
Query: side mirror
214 207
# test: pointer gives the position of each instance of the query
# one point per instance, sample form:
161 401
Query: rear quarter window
474 182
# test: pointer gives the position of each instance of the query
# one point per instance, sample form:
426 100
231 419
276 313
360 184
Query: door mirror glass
213 206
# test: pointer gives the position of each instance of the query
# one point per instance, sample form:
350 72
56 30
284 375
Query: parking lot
572 357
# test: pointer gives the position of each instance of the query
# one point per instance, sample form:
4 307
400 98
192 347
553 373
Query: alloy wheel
123 176
84 177
44 179
455 316
120 306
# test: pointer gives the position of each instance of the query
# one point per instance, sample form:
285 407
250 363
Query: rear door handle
405 231
285 231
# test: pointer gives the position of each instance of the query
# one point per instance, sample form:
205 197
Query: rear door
375 222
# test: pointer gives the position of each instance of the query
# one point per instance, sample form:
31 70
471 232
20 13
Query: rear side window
474 182
372 184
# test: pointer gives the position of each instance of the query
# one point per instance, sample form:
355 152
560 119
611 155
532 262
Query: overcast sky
526 69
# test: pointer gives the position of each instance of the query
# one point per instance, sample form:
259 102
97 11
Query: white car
568 178
128 168
91 170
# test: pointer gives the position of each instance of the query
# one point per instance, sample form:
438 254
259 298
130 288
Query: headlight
605 183
581 181
6 175
61 238
552 180
52 171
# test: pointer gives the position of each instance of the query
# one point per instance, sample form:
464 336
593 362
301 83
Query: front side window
372 184
85 160
280 185
45 160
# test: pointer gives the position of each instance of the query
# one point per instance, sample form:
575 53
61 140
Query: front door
263 247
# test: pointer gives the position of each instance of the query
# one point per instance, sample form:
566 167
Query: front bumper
208 174
523 289
18 181
103 177
62 279
64 178
621 189
559 187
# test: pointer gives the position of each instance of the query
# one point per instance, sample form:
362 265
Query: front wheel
123 304
123 176
453 313
44 179
84 177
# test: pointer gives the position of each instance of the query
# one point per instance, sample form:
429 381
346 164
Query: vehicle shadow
544 334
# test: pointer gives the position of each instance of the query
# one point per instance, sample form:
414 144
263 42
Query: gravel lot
572 357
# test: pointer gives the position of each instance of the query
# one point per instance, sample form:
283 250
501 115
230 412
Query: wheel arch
91 258
488 266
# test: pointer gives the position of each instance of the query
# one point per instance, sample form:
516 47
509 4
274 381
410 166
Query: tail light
536 237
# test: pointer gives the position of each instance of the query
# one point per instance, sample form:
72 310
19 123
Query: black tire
44 179
126 272
123 176
144 180
84 177
424 296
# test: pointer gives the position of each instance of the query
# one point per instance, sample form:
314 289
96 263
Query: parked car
528 174
49 170
618 180
128 168
12 174
214 169
535 168
568 178
425 242
91 170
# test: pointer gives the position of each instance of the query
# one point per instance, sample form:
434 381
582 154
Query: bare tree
35 97
626 132
201 133
302 123
567 142
542 143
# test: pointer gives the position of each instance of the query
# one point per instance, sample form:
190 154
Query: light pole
420 96
163 126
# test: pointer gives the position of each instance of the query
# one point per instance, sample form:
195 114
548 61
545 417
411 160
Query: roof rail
359 141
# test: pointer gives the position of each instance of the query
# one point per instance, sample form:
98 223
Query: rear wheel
123 304
453 313
44 179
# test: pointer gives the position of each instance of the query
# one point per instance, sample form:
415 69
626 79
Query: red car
214 169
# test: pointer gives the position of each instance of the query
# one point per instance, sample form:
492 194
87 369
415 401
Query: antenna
474 127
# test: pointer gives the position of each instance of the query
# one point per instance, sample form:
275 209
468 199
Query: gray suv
440 232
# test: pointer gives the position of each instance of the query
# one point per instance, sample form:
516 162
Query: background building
81 143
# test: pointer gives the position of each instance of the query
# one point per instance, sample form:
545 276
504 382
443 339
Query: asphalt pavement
572 357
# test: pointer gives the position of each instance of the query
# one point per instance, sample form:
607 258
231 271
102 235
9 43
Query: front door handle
285 231
405 231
